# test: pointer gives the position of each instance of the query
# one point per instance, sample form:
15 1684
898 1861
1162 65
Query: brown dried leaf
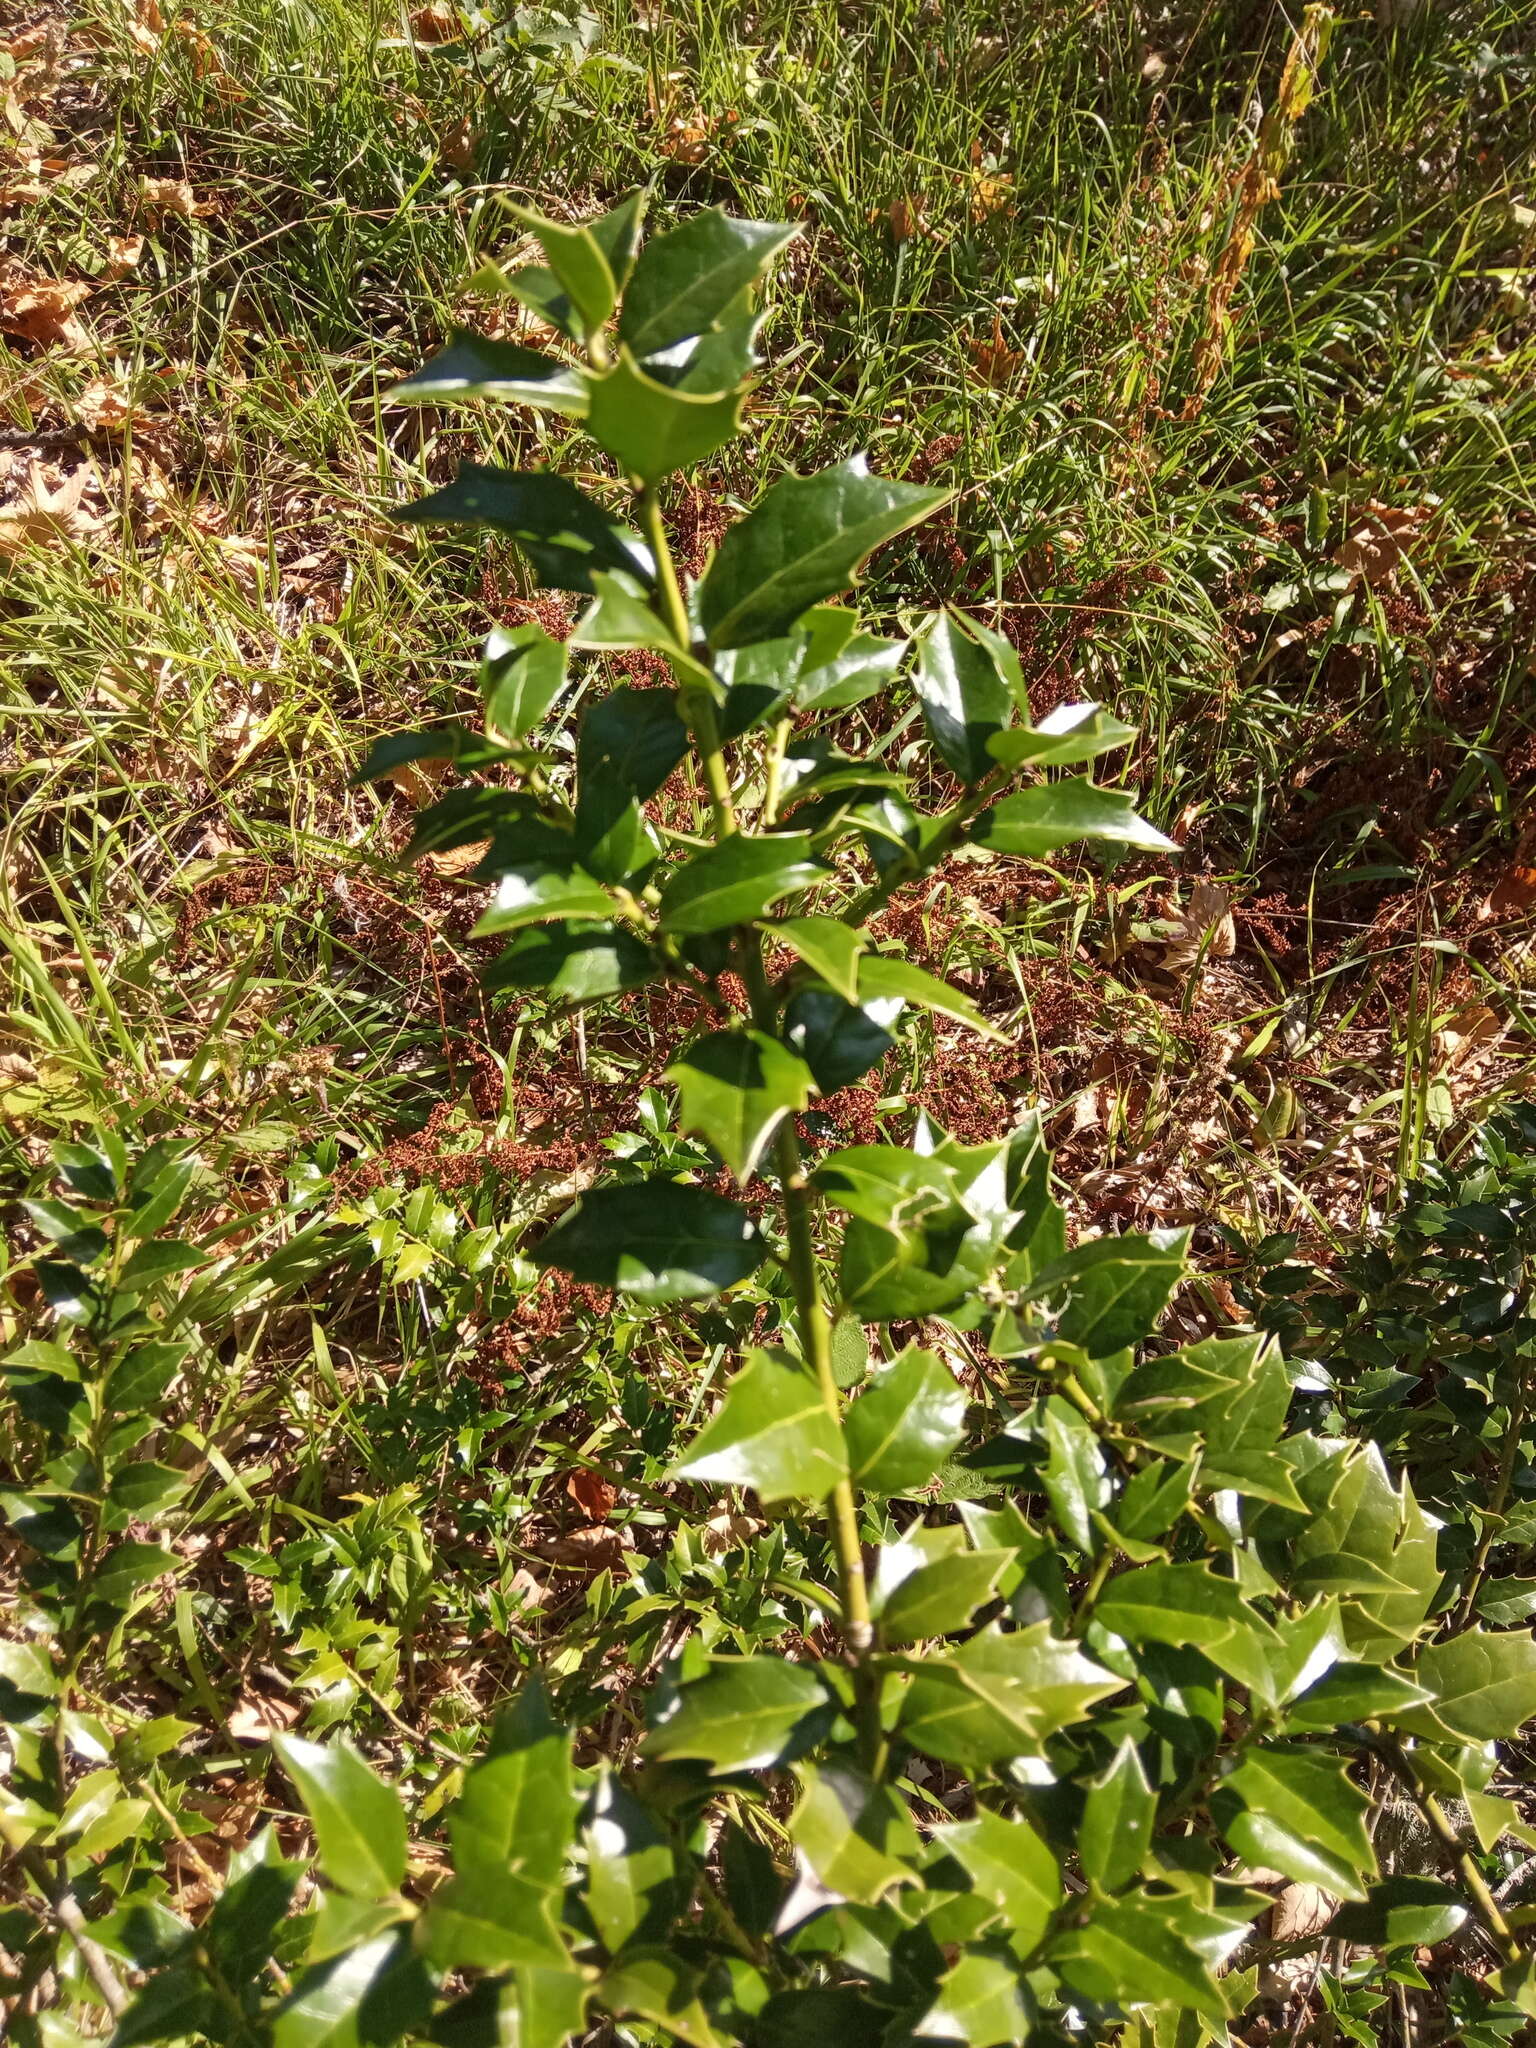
726 1531
990 193
42 309
43 511
174 195
103 407
1468 1035
595 1548
1373 551
436 23
123 254
595 1496
994 362
255 1718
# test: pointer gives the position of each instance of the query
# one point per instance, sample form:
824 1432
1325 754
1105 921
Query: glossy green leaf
1187 1605
1360 1522
1115 1832
772 1432
736 880
651 429
663 1990
522 672
965 693
1108 1292
176 2005
903 1427
1132 1952
126 1569
71 1230
839 671
1401 1912
94 1171
883 977
577 963
982 2000
564 533
1011 1867
372 1993
857 1837
578 264
744 1714
1000 1695
157 1259
629 743
1075 1478
474 366
1355 1692
1065 737
1301 1815
1484 1686
692 277
735 1088
655 1241
838 1040
828 947
536 894
358 1820
535 2005
1038 822
804 540
936 1598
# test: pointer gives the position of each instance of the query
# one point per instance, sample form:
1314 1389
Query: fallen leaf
727 1531
419 782
255 1718
436 23
42 309
591 1549
43 511
994 362
904 218
686 142
123 254
174 195
103 407
595 1496
1374 550
1206 932
459 146
990 194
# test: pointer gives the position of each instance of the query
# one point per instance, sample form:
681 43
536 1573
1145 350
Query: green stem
775 771
1402 1767
697 706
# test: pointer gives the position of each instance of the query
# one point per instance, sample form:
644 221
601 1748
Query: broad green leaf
1038 822
578 264
376 1991
157 1259
658 1987
1355 1692
744 1714
1360 1522
617 232
532 2006
940 1597
708 364
511 819
94 1171
176 2005
632 1886
142 1375
577 963
838 1040
804 540
736 880
735 1088
564 533
473 366
903 1427
1131 1952
1109 1292
125 1570
522 671
1115 1832
146 1488
467 750
772 1432
980 2000
1401 1912
656 1241
691 278
860 667
629 743
622 616
1000 1695
1484 1686
1301 1815
1075 1478
1065 737
537 894
965 693
242 1929
887 1184
827 946
857 1837
358 1820
74 1233
883 977
1011 1868
1188 1606
1229 1394
652 429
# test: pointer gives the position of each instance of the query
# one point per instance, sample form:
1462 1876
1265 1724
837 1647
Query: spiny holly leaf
358 1820
1109 1292
900 1431
537 894
1115 1832
736 880
651 429
573 963
803 540
838 1040
828 947
735 1088
1355 1692
1300 1814
1133 1952
1009 1866
564 534
882 975
691 278
656 1241
980 2000
856 1836
1070 734
1484 1686
632 1882
1000 1695
473 366
522 671
965 691
744 1714
1040 821
579 265
773 1432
